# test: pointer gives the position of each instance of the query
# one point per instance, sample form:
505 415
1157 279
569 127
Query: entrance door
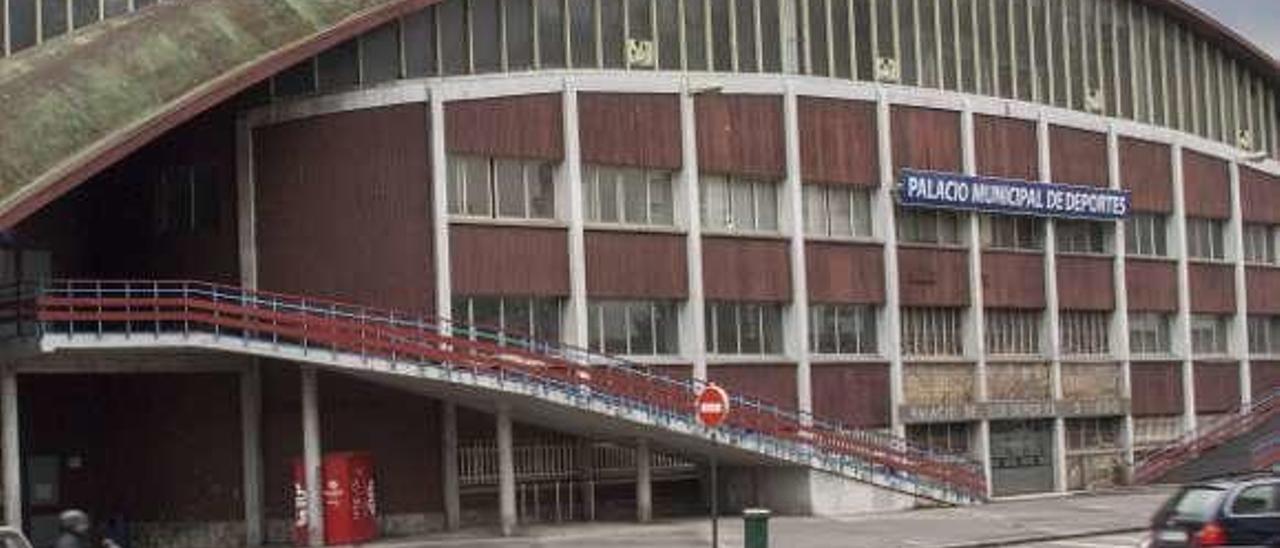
1021 457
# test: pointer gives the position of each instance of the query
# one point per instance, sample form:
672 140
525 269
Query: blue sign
995 195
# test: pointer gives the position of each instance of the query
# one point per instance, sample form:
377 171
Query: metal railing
1194 443
136 309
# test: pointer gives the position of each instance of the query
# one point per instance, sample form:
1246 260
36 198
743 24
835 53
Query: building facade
711 188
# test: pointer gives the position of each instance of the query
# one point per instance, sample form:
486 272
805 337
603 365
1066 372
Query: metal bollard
755 528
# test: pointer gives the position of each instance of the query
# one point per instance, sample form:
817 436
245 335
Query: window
1259 243
929 226
1012 332
739 205
1208 334
1204 239
1257 500
744 328
1145 235
1007 232
627 196
1149 333
950 438
186 200
932 331
842 329
512 318
640 328
501 188
1264 334
837 211
1081 237
1093 433
1085 333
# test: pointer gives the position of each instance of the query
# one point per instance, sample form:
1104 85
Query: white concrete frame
437 92
11 447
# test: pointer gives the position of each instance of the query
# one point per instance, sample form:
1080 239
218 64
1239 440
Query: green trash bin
755 528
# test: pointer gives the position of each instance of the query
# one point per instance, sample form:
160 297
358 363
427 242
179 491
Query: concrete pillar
311 459
506 473
576 329
11 450
449 466
1182 332
246 211
792 216
644 485
1120 320
693 327
884 215
440 209
251 442
586 471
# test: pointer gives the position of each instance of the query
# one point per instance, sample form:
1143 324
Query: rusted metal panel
1006 147
1012 279
1259 196
1207 185
1213 288
770 383
1266 377
933 277
1147 172
1085 283
939 384
746 269
528 126
1077 156
1217 386
741 135
509 260
855 394
926 139
630 129
1263 285
636 265
1152 284
1091 381
844 272
347 217
838 141
1157 388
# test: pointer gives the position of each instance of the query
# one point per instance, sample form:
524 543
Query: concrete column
449 465
246 212
506 473
440 208
793 223
1182 333
975 335
571 178
311 455
251 442
1235 249
884 214
1053 335
586 471
11 450
644 484
1120 320
694 341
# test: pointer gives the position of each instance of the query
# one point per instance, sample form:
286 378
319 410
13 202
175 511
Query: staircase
1197 443
104 315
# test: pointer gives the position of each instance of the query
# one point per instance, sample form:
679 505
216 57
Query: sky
1256 20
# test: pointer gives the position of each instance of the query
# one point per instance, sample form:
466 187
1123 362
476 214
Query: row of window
526 189
651 328
1114 57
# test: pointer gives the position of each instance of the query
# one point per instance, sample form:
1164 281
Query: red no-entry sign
712 405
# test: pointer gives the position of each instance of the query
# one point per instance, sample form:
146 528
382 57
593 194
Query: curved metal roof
78 104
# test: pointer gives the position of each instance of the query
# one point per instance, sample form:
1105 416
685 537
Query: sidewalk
996 524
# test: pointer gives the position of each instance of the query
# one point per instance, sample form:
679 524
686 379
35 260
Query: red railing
127 309
1195 443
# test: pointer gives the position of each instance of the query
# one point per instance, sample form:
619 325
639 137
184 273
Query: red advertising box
349 495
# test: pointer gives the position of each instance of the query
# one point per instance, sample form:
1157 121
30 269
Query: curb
1015 541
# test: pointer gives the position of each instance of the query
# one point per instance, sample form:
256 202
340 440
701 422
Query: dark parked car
1236 511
